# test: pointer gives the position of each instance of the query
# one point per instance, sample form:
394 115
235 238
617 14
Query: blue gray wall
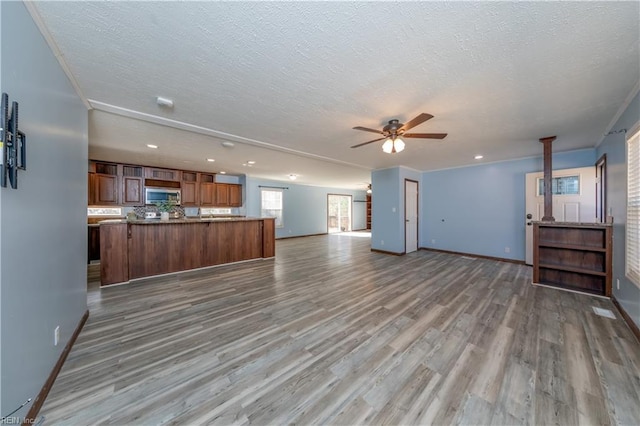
387 207
43 231
476 209
481 209
304 207
628 295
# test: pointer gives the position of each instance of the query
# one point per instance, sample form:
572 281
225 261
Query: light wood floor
331 333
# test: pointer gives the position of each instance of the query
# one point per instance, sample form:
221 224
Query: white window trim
262 191
632 231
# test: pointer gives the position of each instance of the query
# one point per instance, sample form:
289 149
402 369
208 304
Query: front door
574 199
410 215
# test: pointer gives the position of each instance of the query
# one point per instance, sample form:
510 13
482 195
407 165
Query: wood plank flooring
331 333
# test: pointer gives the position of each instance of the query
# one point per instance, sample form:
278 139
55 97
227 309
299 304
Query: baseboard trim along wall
30 418
393 253
632 325
300 236
499 259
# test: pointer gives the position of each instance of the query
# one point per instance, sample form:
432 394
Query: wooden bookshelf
573 256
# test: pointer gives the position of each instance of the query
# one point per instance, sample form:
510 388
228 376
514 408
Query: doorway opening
339 208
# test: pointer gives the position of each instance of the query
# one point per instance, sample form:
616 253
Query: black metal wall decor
13 144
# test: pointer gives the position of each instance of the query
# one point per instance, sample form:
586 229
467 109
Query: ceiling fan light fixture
393 145
387 146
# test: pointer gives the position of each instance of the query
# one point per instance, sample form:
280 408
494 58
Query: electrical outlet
617 283
393 209
56 336
433 241
507 250
381 242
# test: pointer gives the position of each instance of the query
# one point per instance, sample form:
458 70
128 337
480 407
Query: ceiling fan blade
366 129
418 120
366 143
425 135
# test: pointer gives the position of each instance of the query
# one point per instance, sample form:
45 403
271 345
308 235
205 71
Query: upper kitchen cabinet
162 174
190 189
132 185
228 195
222 195
105 184
207 190
235 195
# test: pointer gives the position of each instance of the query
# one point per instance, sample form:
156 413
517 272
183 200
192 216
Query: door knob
529 216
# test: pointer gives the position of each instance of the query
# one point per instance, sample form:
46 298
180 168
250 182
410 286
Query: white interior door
411 216
574 199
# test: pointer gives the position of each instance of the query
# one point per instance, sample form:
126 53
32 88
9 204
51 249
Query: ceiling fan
395 131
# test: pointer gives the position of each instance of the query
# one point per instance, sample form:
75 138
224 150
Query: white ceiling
287 81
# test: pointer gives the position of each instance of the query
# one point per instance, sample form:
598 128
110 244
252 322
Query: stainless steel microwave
154 195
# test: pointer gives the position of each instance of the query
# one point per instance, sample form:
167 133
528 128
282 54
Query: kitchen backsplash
141 210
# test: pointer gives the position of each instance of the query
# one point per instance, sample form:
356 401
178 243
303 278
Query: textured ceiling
281 78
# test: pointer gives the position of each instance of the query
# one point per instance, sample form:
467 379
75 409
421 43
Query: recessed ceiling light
478 157
211 160
251 162
293 177
152 146
223 173
228 144
165 102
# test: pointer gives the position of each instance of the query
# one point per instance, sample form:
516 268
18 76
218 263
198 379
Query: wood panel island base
144 248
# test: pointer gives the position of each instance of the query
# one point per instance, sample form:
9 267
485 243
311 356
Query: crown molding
621 110
35 15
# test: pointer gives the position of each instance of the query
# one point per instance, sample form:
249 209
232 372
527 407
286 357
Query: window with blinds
272 205
633 208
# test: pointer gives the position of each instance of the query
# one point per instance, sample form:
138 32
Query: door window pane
564 185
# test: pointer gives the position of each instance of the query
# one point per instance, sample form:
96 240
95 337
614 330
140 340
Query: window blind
271 205
633 209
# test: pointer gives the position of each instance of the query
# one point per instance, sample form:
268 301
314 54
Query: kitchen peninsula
143 248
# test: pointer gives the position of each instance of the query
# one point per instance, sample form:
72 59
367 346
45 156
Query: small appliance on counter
156 215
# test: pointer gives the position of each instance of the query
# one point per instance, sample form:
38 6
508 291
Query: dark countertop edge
575 224
181 221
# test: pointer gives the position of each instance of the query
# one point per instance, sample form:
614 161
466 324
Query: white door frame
408 218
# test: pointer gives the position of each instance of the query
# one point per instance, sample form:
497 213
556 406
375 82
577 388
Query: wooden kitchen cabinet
91 196
235 195
103 184
106 189
93 244
162 174
222 195
228 195
207 190
132 186
124 185
190 189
